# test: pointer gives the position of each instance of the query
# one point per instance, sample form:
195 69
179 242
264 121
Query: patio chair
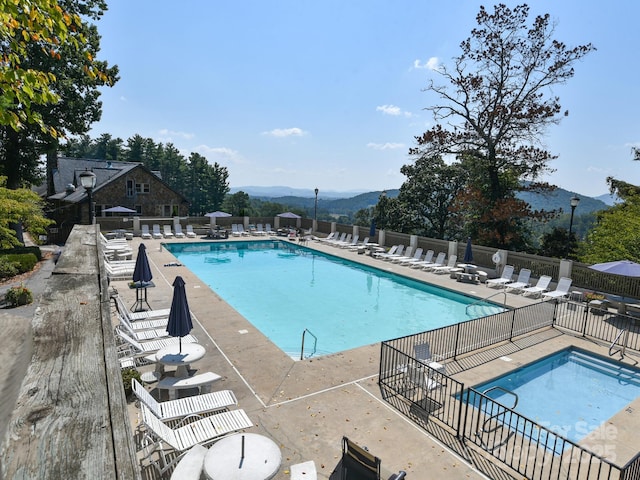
184 436
142 324
408 254
137 317
561 291
167 231
360 245
422 352
260 230
417 255
539 288
142 335
141 349
448 268
505 277
146 234
398 252
438 262
187 406
329 237
190 232
268 230
426 260
156 233
117 272
521 282
359 464
352 243
178 231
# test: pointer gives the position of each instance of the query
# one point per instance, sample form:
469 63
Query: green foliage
497 104
127 375
24 261
7 267
557 243
19 295
616 235
35 250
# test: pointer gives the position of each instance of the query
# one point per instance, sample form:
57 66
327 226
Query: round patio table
173 356
225 460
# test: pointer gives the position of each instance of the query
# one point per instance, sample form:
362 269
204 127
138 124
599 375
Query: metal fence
424 390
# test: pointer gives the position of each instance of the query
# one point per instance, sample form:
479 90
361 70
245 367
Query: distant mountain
279 192
346 203
609 199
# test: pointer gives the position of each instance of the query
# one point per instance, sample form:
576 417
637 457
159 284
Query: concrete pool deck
307 406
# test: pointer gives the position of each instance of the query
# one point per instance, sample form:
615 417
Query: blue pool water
572 392
284 288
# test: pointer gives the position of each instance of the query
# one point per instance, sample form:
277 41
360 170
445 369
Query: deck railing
425 392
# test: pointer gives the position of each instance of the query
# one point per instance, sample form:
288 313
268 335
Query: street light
88 181
574 203
315 211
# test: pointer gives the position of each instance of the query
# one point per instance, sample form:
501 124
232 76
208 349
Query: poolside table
141 295
173 356
243 456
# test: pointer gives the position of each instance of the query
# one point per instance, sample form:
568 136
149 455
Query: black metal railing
424 390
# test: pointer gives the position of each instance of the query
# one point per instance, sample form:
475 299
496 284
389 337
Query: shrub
127 375
17 296
34 250
8 268
25 261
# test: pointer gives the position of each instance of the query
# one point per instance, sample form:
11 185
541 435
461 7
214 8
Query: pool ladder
623 347
501 411
315 343
477 302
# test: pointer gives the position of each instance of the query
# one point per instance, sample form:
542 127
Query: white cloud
432 64
393 111
170 134
385 146
285 132
219 154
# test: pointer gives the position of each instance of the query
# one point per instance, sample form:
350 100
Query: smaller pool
571 392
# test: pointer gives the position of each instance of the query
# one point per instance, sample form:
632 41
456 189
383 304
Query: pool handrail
315 343
477 302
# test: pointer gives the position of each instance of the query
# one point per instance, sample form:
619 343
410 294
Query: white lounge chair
152 346
260 230
389 255
268 230
427 259
521 282
417 254
156 233
146 234
438 262
179 233
360 245
352 243
328 238
142 335
184 407
190 232
180 439
448 268
539 288
119 272
167 231
561 291
139 325
505 277
137 317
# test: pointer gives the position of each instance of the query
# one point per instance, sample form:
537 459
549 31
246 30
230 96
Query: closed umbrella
372 229
468 252
179 323
142 271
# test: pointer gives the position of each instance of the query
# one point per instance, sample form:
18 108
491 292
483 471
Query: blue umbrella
179 323
372 229
468 252
142 271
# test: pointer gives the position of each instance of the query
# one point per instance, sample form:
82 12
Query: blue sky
330 93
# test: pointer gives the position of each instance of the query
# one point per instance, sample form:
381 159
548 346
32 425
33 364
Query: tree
495 109
554 243
19 206
209 185
74 77
237 204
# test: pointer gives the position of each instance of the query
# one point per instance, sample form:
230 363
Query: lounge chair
539 288
137 317
142 335
142 349
181 438
521 282
119 272
328 238
156 233
146 234
389 255
358 246
505 277
407 255
241 230
179 233
417 255
184 407
352 243
422 352
449 267
138 325
190 232
561 291
438 262
167 231
426 260
268 230
260 230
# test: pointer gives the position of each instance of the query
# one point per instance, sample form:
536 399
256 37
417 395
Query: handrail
477 302
501 411
622 348
315 343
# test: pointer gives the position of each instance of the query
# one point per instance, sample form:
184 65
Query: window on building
143 188
131 188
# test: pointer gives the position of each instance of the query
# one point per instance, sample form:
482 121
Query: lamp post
88 181
315 211
574 203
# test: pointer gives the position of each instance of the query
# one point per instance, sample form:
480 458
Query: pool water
572 392
284 288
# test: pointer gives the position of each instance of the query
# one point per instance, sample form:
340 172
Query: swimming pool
571 392
283 289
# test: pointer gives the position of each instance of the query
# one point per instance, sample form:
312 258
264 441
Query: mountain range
352 201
